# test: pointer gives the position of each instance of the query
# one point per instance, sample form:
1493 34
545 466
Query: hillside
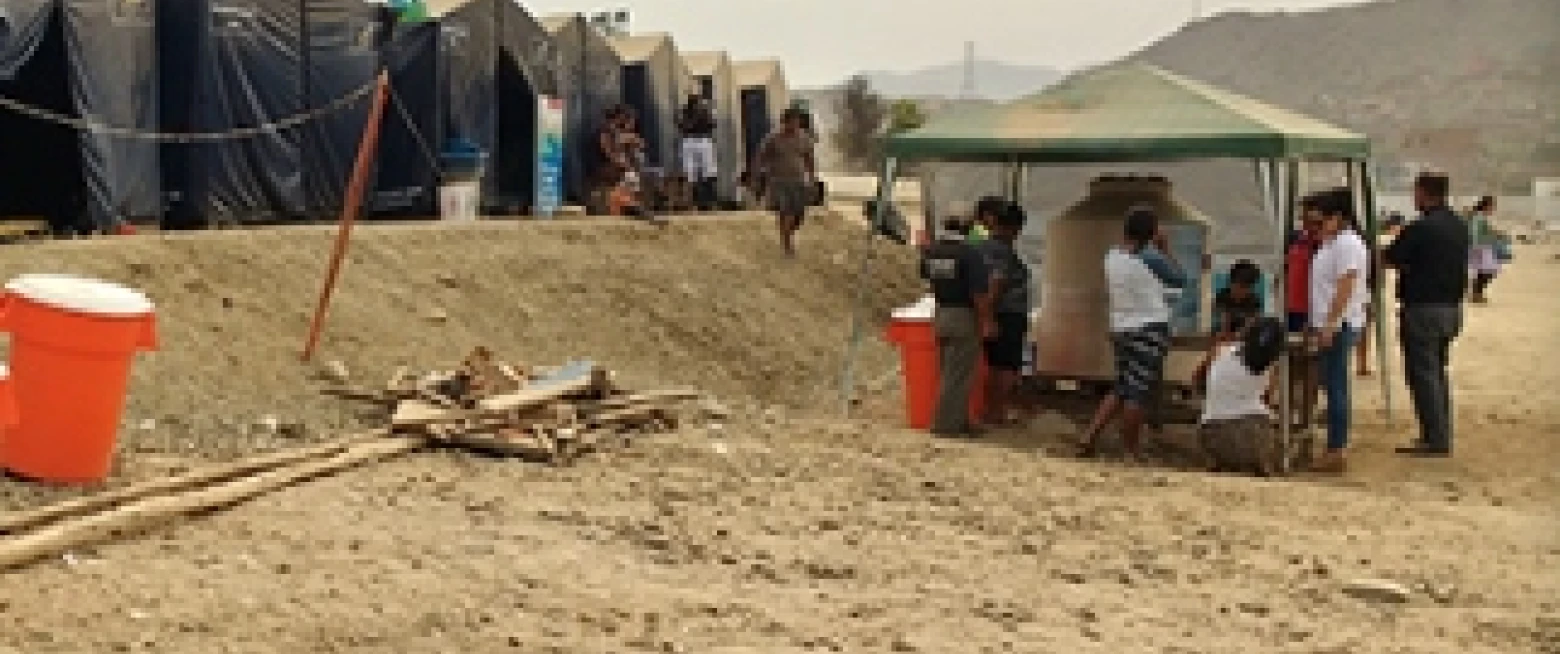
994 80
1434 83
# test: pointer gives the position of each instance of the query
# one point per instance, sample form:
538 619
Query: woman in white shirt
1338 298
1236 430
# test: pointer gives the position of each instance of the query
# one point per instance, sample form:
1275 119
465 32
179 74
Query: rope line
411 126
94 127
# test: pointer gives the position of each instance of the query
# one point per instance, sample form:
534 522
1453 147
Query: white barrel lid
81 294
923 310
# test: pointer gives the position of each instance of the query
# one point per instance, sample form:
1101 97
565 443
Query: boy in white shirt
1339 294
1139 274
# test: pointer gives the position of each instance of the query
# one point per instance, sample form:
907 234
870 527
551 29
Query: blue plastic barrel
461 160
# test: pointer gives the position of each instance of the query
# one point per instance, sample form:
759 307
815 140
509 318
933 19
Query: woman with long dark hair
1483 264
1236 431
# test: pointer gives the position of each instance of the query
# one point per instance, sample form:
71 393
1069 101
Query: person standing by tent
1432 281
960 281
1338 298
697 126
1139 274
1011 304
786 165
1483 264
1304 375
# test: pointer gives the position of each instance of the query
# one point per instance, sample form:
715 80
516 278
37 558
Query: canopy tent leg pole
1365 206
1274 190
1297 179
1014 181
885 194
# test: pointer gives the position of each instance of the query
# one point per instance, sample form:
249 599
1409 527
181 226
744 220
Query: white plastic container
459 200
921 311
81 295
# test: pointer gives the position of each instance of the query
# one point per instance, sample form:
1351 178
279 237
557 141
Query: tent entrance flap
41 161
406 179
514 160
757 121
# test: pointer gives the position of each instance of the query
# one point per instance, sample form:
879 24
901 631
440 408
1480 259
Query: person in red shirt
1297 267
1304 376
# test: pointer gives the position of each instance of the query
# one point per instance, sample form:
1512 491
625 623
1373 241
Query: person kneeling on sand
1236 430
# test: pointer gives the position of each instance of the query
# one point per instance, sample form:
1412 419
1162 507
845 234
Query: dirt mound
708 303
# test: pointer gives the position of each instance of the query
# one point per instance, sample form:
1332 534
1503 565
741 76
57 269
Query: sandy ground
782 530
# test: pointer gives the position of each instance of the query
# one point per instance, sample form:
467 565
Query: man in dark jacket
1011 299
960 278
697 126
1431 256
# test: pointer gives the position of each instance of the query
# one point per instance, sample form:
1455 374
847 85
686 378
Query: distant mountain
1434 83
994 80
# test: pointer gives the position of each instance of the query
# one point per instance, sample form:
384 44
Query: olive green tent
1137 113
1131 112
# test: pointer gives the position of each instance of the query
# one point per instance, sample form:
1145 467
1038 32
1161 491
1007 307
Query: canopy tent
591 82
1140 113
763 95
78 80
285 81
713 75
655 82
1127 113
475 72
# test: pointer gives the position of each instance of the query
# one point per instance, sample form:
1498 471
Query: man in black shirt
1431 256
697 126
959 277
1010 301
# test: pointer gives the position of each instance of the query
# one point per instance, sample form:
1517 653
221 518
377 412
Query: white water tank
1073 335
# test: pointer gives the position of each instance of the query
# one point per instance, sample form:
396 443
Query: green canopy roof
1128 112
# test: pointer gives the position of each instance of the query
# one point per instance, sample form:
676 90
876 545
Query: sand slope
707 303
784 532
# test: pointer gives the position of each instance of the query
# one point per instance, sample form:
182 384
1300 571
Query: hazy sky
823 41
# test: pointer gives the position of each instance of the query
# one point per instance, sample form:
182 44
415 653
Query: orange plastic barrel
7 403
72 342
917 343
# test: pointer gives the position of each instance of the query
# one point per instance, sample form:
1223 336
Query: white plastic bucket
81 295
458 200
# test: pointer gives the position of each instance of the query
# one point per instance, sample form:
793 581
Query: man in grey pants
1430 255
960 278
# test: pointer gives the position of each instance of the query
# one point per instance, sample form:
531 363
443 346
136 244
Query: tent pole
885 194
1274 181
350 204
1365 204
1015 181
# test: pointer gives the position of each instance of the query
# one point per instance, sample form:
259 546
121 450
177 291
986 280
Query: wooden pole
16 523
349 209
146 513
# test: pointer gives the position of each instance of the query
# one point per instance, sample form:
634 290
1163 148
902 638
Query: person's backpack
1503 251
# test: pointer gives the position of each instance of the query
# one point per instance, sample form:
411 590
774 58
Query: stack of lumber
547 414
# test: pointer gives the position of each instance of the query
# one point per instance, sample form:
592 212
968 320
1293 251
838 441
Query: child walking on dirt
786 166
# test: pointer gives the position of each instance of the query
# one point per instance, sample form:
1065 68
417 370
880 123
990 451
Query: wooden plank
141 515
17 522
573 379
